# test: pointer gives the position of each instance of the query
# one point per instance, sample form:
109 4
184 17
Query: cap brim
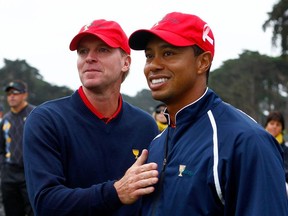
139 39
7 88
13 87
75 41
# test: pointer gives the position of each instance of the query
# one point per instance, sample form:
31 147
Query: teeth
156 81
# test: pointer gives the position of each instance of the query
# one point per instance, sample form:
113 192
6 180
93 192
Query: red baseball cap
178 29
108 31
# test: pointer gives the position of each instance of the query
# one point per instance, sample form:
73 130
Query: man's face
99 65
173 74
15 97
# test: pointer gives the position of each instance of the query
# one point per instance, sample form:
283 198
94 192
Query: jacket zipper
162 172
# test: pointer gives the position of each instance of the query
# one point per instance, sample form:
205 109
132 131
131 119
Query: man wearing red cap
77 149
212 159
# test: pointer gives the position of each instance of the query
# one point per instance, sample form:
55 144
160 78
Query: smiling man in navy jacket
213 159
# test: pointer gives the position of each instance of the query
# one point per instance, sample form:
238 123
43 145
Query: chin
158 96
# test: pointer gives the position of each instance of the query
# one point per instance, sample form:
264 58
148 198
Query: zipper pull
164 162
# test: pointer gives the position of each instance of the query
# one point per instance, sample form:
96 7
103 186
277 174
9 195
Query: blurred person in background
1 200
275 125
159 117
1 112
13 183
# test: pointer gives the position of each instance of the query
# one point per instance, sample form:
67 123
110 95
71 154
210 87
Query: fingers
143 157
129 189
140 162
144 191
146 179
138 180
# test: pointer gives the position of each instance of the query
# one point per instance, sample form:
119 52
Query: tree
254 83
278 20
39 90
144 100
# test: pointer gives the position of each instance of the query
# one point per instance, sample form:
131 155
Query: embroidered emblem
205 35
86 27
135 153
184 172
181 169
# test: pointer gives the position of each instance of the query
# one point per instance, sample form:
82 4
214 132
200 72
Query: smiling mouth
158 81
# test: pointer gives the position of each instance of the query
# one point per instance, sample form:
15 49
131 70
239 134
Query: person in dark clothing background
1 203
275 125
1 112
13 184
159 117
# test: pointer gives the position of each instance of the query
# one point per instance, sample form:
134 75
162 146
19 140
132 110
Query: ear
126 67
127 63
25 96
204 62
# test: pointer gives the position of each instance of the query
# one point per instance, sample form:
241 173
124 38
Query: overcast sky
40 31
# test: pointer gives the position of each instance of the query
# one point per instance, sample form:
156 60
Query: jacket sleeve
256 177
45 176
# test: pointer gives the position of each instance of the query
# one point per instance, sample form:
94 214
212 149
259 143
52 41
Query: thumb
143 157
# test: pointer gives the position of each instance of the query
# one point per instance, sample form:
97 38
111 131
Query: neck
19 108
106 104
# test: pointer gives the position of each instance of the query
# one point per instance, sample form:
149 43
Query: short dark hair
275 116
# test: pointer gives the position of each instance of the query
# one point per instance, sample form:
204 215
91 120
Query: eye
148 55
82 51
103 49
168 53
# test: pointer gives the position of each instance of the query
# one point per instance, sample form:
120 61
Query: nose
154 65
91 57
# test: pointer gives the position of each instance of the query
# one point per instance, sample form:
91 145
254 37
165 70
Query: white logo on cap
206 36
86 27
155 24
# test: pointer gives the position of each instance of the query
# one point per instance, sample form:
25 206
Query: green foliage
254 83
278 21
39 90
144 100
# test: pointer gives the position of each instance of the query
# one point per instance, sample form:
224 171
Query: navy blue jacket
72 158
218 161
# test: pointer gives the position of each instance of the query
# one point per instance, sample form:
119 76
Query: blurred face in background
274 127
16 98
159 116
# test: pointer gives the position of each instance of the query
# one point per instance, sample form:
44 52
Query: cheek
146 70
80 63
